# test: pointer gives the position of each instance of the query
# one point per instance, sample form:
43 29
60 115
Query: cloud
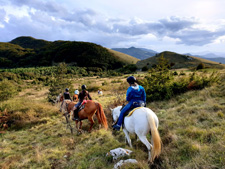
51 20
47 6
2 14
197 37
162 27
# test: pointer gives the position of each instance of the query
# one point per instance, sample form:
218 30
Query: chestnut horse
67 106
75 98
91 108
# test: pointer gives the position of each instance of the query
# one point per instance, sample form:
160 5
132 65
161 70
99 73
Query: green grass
191 127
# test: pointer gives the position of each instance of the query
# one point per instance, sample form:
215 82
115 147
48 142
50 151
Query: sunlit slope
124 57
179 61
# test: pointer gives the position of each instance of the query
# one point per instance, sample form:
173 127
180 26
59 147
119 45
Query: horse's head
115 113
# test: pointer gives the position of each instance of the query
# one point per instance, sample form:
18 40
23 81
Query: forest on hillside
29 52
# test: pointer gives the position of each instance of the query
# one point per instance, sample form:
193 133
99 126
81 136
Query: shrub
128 68
58 86
175 73
160 83
7 89
200 66
145 68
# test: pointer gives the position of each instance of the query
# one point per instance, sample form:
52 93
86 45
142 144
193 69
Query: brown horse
91 108
68 106
75 98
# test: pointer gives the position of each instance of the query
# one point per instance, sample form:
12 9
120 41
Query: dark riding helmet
83 87
131 80
67 89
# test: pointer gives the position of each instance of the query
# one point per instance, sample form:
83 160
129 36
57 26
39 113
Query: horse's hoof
79 132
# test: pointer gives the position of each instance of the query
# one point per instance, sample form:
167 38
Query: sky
182 26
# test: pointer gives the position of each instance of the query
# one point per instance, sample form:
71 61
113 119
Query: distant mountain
219 59
140 53
211 56
28 51
178 61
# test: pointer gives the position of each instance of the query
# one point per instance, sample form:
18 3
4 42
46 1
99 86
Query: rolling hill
178 61
30 42
124 57
28 51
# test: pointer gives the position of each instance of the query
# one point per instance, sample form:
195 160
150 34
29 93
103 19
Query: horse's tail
101 115
155 137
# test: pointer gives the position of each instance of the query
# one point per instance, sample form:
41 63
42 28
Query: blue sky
183 26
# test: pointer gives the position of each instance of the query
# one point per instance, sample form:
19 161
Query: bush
7 90
160 83
57 87
200 66
128 69
145 68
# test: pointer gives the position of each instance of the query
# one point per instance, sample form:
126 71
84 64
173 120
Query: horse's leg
145 141
80 125
92 123
127 137
76 124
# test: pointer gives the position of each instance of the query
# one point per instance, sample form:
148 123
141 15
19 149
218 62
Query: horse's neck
117 110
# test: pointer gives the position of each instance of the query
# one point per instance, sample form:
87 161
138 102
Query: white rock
121 162
119 152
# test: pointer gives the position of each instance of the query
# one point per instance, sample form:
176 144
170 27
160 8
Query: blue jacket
136 94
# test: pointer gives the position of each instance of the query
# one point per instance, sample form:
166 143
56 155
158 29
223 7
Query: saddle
82 106
135 106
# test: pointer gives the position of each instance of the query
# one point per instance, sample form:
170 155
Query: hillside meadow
191 126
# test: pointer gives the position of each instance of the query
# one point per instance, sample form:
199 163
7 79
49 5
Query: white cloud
136 23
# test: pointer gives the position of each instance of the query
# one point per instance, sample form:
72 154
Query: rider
75 96
66 96
84 95
135 95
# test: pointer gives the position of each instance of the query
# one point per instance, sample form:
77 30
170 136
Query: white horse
141 122
64 106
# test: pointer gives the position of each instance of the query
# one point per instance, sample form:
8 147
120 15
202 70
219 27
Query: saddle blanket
84 102
131 112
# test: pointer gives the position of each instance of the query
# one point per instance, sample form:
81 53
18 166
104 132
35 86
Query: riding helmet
67 89
83 87
131 80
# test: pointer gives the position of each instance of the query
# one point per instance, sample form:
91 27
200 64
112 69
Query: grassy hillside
191 127
35 52
12 53
30 42
124 57
179 61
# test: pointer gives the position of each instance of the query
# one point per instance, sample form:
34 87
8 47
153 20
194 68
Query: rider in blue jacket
135 96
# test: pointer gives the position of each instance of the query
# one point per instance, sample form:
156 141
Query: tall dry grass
191 127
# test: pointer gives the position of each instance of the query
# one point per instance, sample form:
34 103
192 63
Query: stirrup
116 127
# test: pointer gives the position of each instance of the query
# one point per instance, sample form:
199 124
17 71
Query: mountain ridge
140 53
37 52
178 61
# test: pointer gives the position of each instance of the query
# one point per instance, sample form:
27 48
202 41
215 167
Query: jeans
131 104
78 104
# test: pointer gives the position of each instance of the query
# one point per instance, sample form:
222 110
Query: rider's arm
128 95
89 96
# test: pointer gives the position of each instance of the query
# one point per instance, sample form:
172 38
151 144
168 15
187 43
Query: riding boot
75 114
